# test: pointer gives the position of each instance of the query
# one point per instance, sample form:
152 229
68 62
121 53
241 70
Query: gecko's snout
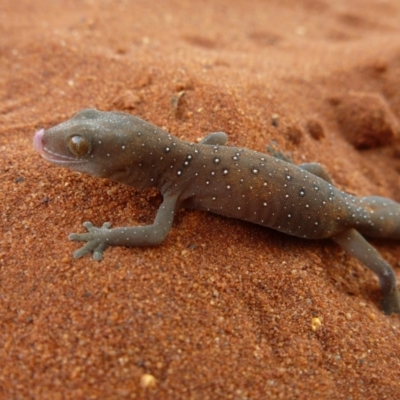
38 141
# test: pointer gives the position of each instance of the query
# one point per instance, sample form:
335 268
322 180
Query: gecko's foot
96 239
273 150
391 302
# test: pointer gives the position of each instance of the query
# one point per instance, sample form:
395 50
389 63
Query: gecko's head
94 142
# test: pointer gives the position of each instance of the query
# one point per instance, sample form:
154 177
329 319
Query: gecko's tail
382 217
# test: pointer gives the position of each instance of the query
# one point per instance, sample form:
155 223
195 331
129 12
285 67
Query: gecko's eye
78 145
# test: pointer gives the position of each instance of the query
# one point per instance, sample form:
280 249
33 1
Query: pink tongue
37 141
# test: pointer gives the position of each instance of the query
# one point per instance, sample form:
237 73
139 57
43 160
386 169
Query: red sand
223 309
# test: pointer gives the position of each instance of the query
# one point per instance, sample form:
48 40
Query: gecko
267 190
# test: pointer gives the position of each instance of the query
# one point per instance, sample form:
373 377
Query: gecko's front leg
98 239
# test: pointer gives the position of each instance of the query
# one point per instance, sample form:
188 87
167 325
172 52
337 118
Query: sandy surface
223 309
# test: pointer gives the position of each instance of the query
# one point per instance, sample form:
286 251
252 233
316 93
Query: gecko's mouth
49 155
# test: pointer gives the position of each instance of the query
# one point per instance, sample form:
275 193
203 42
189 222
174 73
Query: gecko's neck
156 158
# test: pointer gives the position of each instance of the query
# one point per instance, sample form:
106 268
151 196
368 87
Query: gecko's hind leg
318 170
355 244
314 168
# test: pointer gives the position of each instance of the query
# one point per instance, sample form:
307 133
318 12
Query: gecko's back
268 191
265 190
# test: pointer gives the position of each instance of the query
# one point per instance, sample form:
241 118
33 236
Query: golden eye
78 145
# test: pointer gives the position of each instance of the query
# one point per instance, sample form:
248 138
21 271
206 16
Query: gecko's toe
391 303
73 236
98 251
97 255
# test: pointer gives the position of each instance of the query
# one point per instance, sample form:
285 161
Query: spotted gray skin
230 181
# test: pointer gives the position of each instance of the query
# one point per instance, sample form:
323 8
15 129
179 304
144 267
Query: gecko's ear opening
120 174
79 146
